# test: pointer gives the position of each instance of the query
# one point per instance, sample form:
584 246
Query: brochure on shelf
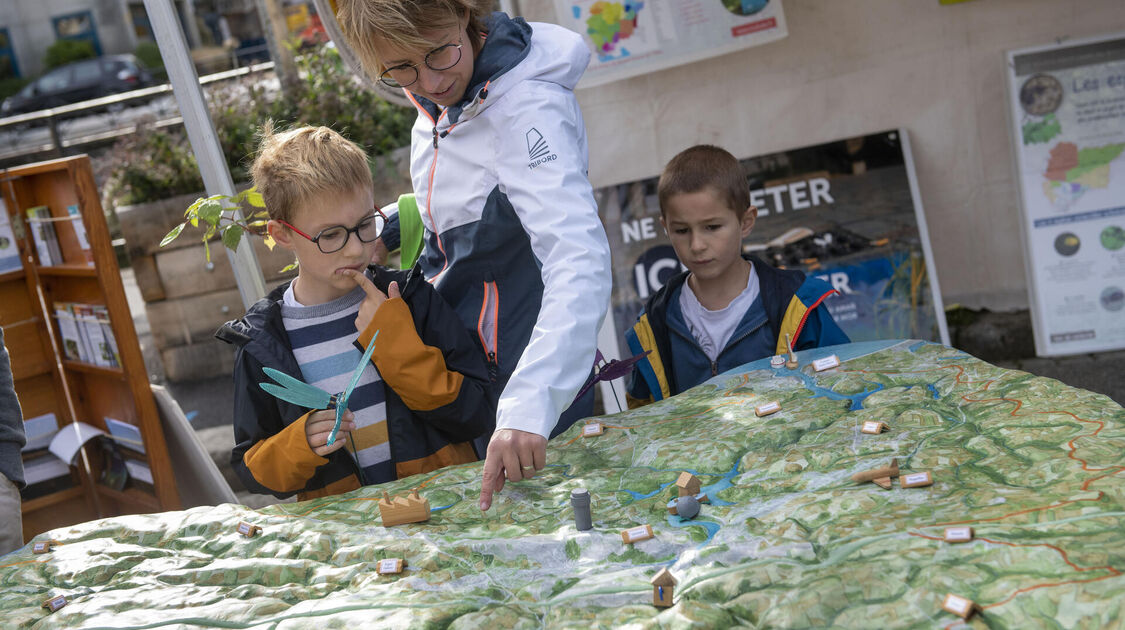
71 438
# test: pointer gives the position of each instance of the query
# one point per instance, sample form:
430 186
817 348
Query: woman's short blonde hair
400 23
293 167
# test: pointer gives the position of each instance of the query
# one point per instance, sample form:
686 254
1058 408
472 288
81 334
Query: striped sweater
323 338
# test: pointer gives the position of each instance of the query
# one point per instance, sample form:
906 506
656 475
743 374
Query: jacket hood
516 51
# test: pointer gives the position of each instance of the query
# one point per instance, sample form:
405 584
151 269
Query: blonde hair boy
426 400
294 167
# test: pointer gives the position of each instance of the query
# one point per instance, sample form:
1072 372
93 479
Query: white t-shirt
712 329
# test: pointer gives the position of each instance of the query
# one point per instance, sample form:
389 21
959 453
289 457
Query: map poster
1067 105
630 38
845 211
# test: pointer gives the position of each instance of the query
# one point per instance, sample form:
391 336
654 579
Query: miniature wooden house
688 485
663 585
403 509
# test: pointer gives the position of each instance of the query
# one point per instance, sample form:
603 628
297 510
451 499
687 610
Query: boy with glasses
423 396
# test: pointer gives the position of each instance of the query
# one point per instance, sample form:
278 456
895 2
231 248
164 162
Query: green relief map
788 540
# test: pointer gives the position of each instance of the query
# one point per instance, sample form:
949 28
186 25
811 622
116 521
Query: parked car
79 81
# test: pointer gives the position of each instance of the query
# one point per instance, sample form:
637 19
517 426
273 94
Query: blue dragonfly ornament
301 393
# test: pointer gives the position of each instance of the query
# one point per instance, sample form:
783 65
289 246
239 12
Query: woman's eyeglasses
334 238
438 59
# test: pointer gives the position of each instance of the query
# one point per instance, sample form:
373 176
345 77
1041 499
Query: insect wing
295 391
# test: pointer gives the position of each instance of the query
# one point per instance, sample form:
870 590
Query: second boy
726 309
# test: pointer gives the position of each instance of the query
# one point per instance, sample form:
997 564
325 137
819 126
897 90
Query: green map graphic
1071 171
1041 131
788 540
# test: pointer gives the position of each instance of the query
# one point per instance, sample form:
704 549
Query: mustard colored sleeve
415 371
284 462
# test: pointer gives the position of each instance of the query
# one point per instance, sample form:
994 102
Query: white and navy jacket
512 235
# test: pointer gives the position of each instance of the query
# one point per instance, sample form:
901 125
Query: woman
512 235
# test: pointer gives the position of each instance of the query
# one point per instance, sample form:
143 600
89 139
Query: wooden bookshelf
46 380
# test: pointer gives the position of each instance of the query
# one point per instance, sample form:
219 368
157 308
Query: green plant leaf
171 236
290 267
194 206
255 198
211 211
270 243
232 234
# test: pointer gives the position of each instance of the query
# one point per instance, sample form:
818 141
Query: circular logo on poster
1113 299
1041 95
1067 244
1113 238
653 269
745 7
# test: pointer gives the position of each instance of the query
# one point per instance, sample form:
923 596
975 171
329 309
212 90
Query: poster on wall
1067 106
633 37
846 211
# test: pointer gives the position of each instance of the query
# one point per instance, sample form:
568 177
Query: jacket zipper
730 344
488 324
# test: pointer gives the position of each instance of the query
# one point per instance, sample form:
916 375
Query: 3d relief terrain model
1009 510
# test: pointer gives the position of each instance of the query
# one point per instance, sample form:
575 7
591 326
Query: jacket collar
505 46
774 286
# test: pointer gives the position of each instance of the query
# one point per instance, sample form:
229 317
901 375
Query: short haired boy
726 309
424 395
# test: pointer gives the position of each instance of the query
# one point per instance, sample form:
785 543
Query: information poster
1067 107
846 211
629 38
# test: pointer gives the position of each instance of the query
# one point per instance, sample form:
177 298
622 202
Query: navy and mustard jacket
789 302
438 396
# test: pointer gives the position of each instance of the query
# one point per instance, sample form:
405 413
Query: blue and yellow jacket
436 382
675 363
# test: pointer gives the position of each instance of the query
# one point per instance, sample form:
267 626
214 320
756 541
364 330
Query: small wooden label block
637 534
390 565
959 606
248 530
826 363
767 408
882 482
43 546
958 534
873 427
592 429
916 480
55 603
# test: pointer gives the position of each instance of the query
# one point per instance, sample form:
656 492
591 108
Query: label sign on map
767 409
826 363
637 534
389 565
916 480
958 534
